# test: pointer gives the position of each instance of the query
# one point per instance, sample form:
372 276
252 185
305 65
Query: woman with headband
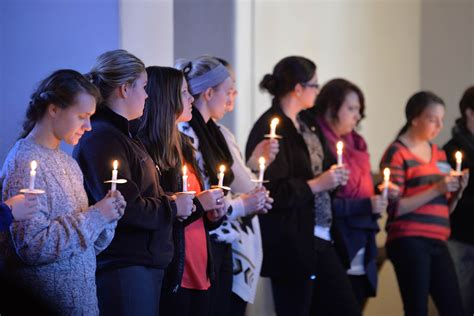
212 87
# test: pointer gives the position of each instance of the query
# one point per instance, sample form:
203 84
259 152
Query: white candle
114 176
339 147
261 162
185 178
458 156
273 126
386 180
220 176
33 166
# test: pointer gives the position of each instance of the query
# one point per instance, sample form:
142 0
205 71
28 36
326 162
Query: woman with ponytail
300 244
418 223
53 254
132 267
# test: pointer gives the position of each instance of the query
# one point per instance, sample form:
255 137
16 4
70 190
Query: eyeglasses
311 85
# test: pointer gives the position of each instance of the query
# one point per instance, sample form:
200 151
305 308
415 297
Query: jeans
127 291
424 267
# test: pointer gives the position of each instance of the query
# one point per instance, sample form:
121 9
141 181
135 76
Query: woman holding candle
338 110
418 223
54 253
461 242
247 249
299 228
189 276
212 87
132 267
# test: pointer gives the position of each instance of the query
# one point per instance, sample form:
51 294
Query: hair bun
269 83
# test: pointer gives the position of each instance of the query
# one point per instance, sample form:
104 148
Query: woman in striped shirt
418 224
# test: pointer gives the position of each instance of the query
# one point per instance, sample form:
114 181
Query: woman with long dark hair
418 223
299 241
189 276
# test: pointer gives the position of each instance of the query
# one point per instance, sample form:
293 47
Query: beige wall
391 49
146 30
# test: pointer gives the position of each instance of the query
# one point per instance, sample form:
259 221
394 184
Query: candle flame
185 170
275 121
386 174
261 161
222 168
458 156
33 165
115 164
339 146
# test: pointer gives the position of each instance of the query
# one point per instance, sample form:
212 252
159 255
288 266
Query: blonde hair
113 69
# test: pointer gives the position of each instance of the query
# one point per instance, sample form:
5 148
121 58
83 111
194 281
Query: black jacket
462 217
144 233
171 181
288 229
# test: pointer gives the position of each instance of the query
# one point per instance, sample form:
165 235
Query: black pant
221 288
424 266
129 291
360 286
185 302
237 305
329 294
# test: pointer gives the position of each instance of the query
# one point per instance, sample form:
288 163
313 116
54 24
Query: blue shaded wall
40 36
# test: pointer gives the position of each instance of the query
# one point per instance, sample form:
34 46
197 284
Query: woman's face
136 96
430 122
348 115
310 92
187 100
221 96
230 105
71 123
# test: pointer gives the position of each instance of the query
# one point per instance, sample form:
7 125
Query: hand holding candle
185 178
220 176
114 176
261 162
458 157
386 178
273 126
33 166
339 148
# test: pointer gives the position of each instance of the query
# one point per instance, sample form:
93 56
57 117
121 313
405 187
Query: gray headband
207 80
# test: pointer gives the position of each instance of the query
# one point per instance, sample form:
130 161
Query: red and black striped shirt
414 175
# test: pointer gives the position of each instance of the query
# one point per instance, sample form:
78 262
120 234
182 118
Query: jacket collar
105 114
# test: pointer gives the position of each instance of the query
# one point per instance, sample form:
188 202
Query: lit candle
386 180
33 166
185 178
458 156
339 147
261 162
273 126
220 176
114 176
